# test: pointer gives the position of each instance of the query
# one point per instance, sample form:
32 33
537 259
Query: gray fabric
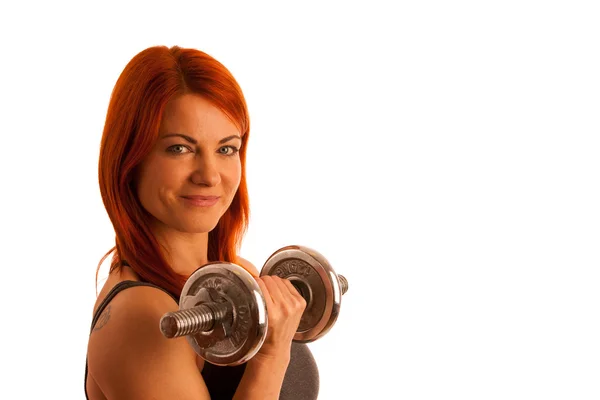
302 376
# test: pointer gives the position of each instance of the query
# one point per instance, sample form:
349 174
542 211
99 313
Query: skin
178 167
128 358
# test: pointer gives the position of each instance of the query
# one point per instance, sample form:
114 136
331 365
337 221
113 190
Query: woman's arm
129 358
262 378
264 373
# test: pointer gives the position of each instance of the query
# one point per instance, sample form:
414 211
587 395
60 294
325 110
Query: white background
444 156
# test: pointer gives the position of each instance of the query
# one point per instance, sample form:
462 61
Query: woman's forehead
195 116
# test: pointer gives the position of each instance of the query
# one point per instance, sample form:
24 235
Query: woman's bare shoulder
248 266
129 357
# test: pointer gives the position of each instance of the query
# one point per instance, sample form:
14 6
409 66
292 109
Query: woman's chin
197 228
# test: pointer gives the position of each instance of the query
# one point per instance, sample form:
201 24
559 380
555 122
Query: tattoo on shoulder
103 319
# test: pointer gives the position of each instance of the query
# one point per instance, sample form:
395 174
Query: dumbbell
223 314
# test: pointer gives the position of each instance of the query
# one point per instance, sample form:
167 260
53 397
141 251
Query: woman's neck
185 252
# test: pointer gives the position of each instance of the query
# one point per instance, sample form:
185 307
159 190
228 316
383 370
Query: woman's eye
228 150
177 149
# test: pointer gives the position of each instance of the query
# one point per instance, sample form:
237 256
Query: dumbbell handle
201 318
204 317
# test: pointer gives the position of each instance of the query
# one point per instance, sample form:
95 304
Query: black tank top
301 378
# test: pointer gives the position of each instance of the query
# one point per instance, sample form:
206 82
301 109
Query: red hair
149 81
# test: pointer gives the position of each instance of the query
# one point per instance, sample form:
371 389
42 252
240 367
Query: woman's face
189 179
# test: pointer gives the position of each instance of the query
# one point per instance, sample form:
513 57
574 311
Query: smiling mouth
201 201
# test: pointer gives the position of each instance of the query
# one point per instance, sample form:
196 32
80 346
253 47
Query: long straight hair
153 78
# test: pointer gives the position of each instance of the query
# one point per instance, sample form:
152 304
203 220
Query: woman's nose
206 173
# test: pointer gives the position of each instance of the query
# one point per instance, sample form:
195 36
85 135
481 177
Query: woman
172 179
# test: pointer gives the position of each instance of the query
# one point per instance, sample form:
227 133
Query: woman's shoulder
248 266
126 302
127 351
128 285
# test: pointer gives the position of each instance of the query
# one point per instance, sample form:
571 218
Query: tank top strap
120 287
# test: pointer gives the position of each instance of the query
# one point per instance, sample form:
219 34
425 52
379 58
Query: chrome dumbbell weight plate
313 276
243 329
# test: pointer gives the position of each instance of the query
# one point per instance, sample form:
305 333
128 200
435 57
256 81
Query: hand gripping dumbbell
223 314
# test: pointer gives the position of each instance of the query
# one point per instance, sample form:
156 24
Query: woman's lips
201 201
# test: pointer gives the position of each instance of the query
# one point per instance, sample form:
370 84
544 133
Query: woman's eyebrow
228 138
186 137
194 141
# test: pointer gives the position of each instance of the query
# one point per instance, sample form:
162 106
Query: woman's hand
285 306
